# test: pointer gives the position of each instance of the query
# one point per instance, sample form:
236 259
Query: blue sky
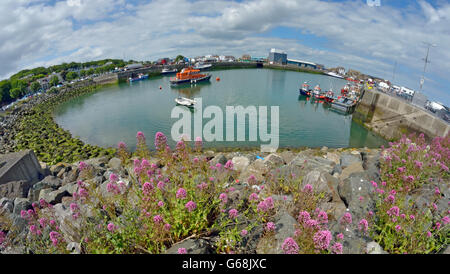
334 33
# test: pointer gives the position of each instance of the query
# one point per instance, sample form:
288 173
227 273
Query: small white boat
168 71
185 101
202 66
334 74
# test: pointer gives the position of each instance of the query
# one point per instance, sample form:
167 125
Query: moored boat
343 104
185 101
189 75
317 92
305 90
202 66
329 96
140 77
166 71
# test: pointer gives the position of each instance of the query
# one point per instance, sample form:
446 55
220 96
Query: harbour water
116 113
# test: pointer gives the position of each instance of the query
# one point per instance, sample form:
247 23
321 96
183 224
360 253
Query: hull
305 92
138 78
192 81
168 72
345 106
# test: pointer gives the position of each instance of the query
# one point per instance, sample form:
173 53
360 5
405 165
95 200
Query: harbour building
277 57
303 64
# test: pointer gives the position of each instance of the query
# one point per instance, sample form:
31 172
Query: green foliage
15 93
54 80
71 76
35 86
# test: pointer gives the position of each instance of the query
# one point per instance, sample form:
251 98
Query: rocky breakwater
311 201
30 125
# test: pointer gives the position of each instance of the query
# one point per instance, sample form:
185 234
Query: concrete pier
391 117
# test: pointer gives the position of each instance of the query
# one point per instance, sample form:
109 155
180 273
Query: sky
367 35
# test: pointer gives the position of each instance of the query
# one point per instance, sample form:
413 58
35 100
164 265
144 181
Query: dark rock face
357 193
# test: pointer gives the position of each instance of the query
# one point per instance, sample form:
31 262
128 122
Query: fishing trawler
189 75
138 78
305 90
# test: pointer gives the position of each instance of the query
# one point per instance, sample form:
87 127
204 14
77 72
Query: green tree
15 93
71 76
5 87
35 86
54 81
179 58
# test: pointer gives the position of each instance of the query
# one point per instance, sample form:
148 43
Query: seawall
391 117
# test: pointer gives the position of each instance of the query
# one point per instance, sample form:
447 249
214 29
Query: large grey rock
192 246
218 159
15 189
53 197
49 182
21 204
371 164
71 176
349 158
285 227
350 169
306 163
273 160
353 188
333 157
257 168
374 248
115 163
22 165
322 182
287 156
240 163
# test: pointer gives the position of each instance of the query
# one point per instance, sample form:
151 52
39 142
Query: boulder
240 163
353 188
21 204
20 166
349 158
322 182
350 169
374 248
285 227
333 157
53 196
71 176
273 160
49 182
15 189
56 169
115 163
218 159
287 156
308 163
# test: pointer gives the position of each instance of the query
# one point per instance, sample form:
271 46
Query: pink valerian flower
436 191
269 202
33 229
262 206
112 188
289 246
82 192
82 165
43 222
311 224
391 199
401 169
229 165
111 227
363 225
347 218
361 198
322 239
412 217
429 234
181 193
398 227
161 185
383 183
253 197
180 146
340 236
438 225
308 188
403 216
223 197
323 217
202 186
182 250
157 219
418 164
446 220
167 227
113 178
160 141
233 213
190 206
252 180
160 203
270 226
303 217
434 206
147 187
244 232
374 184
198 143
140 136
337 248
121 145
55 237
444 167
393 211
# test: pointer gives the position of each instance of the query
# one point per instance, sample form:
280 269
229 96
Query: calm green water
116 113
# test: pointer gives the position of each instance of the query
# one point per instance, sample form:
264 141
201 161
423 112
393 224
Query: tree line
26 81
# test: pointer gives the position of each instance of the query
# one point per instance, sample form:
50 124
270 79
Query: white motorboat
168 71
334 74
185 101
202 66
